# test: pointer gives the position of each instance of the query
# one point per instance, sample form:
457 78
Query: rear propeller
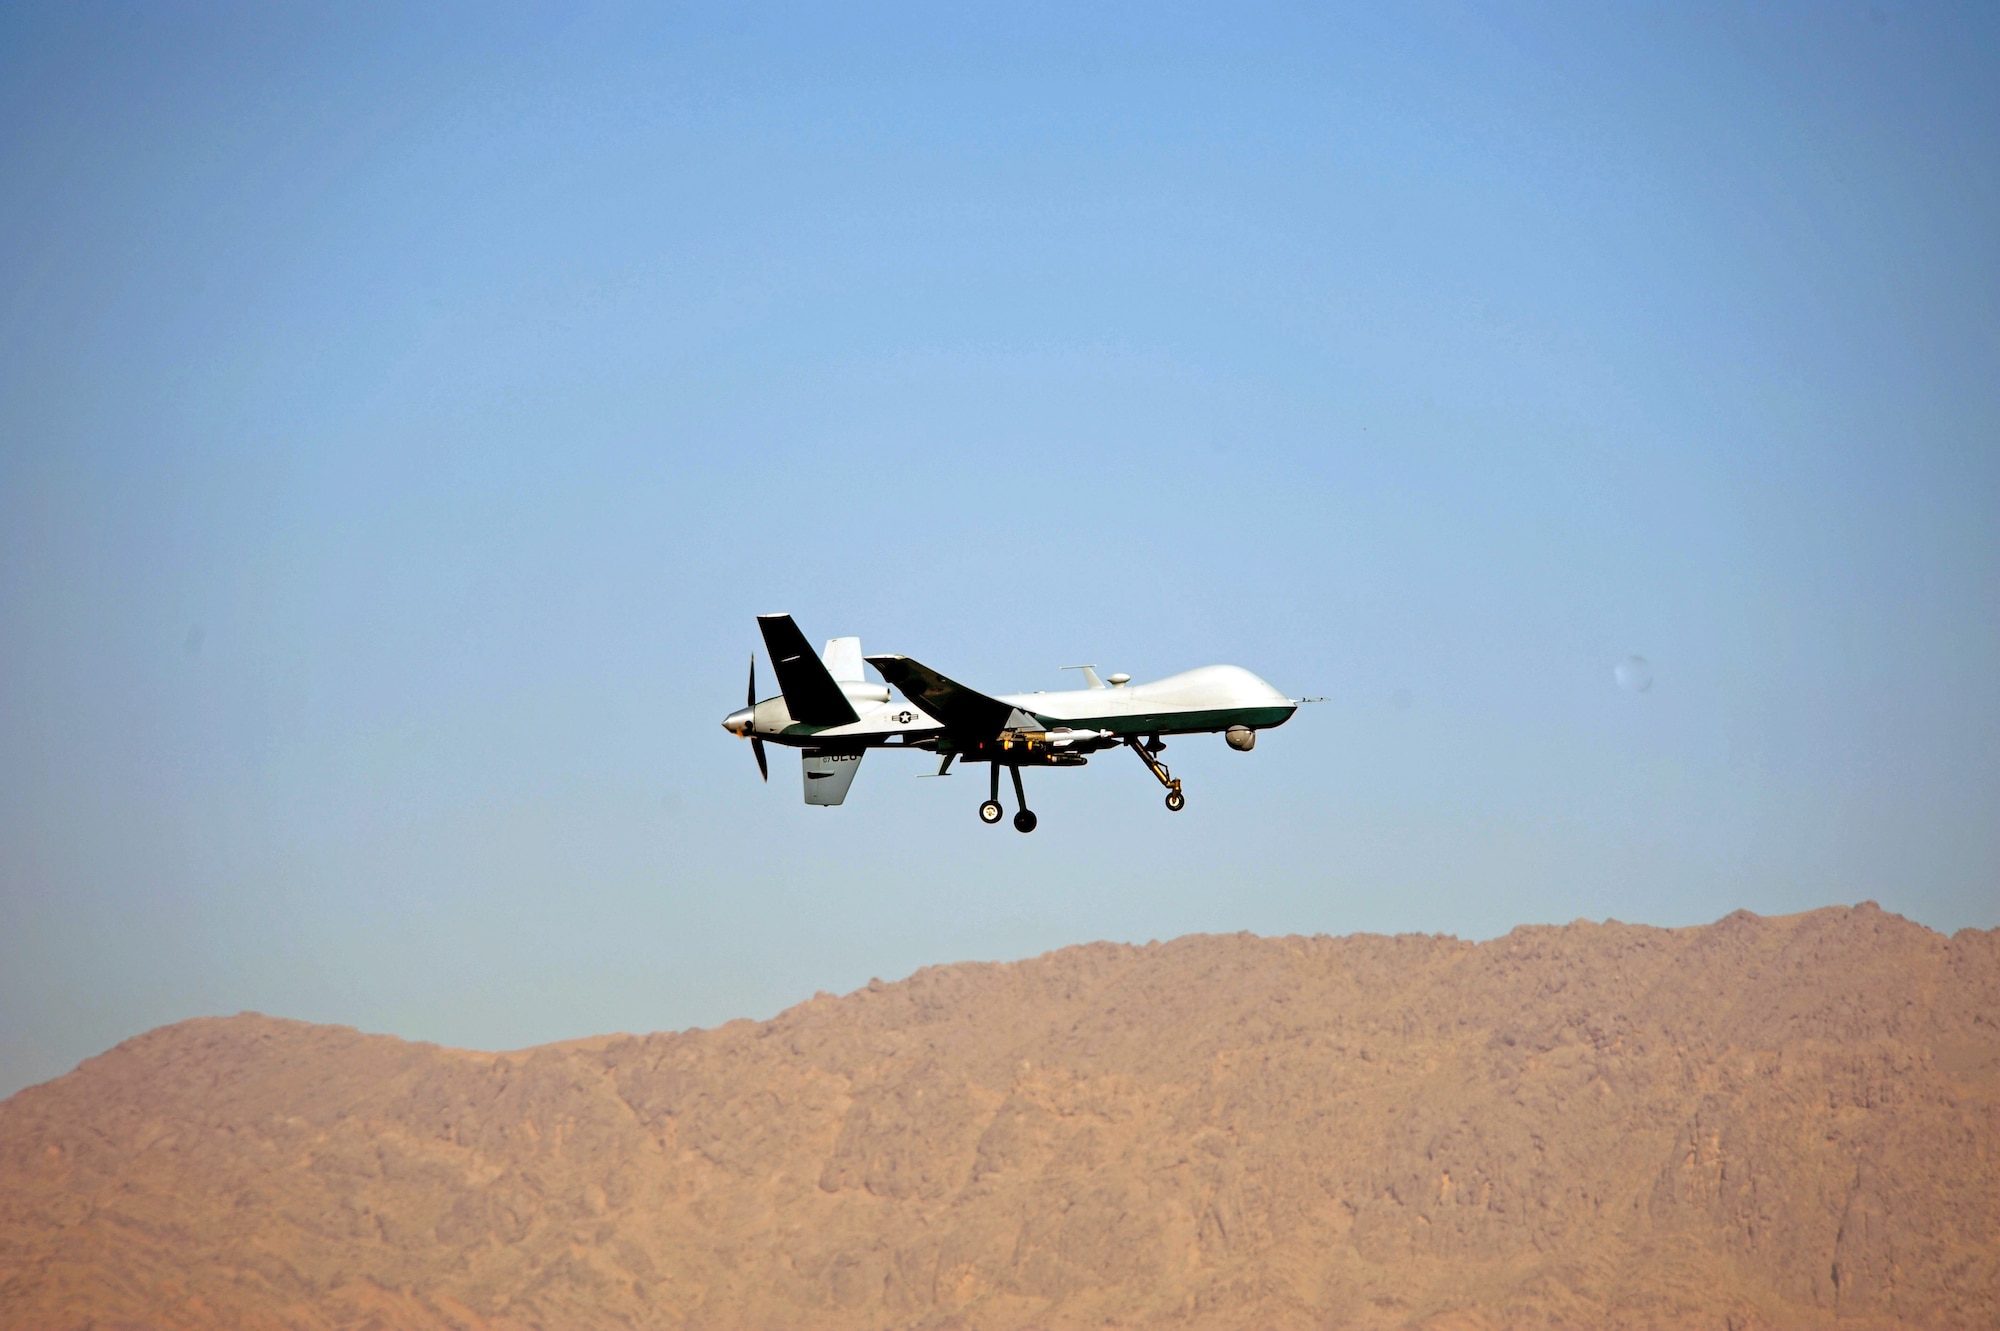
756 744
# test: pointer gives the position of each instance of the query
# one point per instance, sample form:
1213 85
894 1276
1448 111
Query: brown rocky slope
1764 1122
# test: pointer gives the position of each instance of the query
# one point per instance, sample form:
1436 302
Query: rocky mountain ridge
1763 1122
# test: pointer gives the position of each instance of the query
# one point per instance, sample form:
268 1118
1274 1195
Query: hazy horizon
404 415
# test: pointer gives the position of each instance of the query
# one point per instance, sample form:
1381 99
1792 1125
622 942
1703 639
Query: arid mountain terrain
1763 1122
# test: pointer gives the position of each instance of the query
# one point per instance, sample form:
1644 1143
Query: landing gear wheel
990 811
1025 821
1176 801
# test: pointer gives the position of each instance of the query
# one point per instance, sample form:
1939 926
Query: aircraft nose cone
739 722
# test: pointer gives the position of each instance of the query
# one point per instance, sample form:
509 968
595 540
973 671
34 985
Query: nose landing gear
1149 755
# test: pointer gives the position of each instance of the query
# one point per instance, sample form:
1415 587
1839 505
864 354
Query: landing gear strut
1149 755
1024 821
991 812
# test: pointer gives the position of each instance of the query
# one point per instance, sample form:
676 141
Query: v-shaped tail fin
812 695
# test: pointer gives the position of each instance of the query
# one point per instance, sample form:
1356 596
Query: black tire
1025 821
1176 801
991 812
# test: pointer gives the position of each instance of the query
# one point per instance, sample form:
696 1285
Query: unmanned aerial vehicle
828 710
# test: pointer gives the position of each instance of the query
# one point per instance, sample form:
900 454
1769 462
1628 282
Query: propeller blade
756 745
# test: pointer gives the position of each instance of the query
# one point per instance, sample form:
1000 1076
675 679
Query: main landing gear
991 812
1149 754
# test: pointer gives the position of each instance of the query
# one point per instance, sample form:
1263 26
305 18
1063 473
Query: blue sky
402 417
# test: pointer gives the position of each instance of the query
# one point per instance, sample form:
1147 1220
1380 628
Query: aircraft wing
811 694
961 709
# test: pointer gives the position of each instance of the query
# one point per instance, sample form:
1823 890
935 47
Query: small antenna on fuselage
1089 675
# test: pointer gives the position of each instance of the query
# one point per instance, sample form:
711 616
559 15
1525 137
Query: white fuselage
1190 694
881 718
1210 698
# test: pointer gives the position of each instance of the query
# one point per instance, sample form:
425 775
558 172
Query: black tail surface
811 695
